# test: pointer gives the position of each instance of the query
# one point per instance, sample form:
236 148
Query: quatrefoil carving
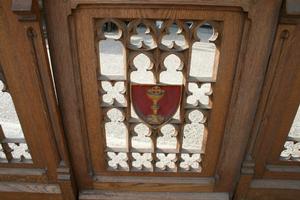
118 161
114 93
199 95
142 161
190 162
166 162
291 151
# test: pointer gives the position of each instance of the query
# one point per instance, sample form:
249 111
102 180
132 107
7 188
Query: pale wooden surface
108 195
29 187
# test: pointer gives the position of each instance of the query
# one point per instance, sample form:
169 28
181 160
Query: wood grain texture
22 73
86 94
154 184
31 196
23 174
145 179
232 23
252 66
283 73
283 168
230 3
109 195
237 91
275 179
280 43
273 194
61 56
25 65
242 187
29 187
276 184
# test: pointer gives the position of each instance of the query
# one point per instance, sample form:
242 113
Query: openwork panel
155 80
13 147
291 148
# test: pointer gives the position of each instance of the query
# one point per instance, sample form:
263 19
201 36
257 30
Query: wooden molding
29 187
23 174
66 182
245 5
275 184
110 195
154 184
22 171
248 167
161 180
283 168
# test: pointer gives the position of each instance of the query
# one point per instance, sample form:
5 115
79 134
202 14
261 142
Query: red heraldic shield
155 104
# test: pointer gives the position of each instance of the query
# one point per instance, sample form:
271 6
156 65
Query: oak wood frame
88 65
264 175
258 33
25 66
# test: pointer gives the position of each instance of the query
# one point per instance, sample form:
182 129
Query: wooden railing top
244 4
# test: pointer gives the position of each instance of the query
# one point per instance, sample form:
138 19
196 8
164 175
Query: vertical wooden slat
127 70
64 62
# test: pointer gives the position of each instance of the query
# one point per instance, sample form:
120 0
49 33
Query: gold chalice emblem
155 94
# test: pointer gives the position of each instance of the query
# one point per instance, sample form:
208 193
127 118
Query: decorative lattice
166 162
141 140
118 161
142 161
114 94
190 162
162 53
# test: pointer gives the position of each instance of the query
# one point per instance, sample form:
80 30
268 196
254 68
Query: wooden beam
276 184
110 195
29 187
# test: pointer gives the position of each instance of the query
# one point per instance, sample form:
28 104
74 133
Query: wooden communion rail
149 99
